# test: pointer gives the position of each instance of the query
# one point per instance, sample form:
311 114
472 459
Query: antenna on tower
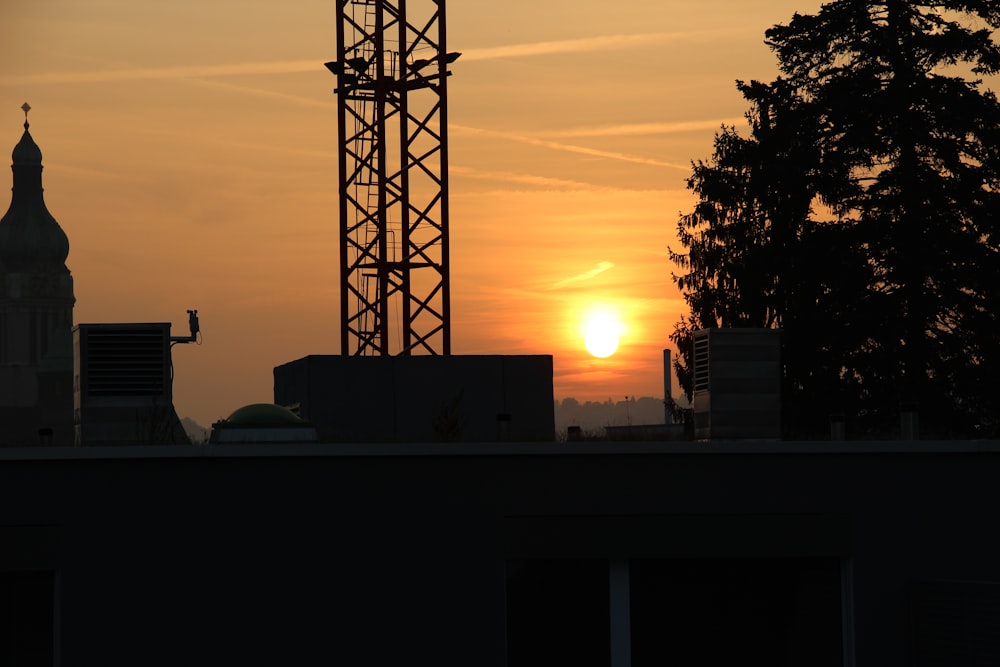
392 70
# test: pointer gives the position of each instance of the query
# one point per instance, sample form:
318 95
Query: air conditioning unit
122 385
737 383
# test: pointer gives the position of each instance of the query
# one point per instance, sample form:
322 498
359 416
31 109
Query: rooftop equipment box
122 386
467 398
737 383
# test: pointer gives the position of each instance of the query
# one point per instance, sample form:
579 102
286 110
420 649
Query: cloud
586 275
642 129
589 44
544 182
580 45
328 103
583 150
165 73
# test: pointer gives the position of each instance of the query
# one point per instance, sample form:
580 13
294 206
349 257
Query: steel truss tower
393 159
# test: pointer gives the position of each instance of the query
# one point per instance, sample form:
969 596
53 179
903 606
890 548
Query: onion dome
27 151
30 238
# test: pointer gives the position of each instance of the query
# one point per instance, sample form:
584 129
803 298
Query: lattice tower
393 182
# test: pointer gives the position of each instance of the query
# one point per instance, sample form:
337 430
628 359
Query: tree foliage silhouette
862 217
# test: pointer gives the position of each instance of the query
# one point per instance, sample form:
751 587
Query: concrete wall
36 359
36 407
471 398
393 554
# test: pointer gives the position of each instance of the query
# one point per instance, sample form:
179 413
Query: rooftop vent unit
737 383
124 362
122 385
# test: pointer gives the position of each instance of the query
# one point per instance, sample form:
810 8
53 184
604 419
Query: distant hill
593 416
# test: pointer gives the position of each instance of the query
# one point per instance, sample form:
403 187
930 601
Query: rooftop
388 450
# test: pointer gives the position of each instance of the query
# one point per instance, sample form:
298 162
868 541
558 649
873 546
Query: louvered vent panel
701 365
126 361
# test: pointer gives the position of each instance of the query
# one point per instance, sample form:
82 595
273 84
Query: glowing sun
601 332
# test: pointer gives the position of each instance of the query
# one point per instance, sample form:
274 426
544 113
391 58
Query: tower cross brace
392 70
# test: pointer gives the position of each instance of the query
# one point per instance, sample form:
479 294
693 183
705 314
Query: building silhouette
36 312
502 554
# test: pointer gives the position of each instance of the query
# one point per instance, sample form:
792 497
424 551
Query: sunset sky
190 156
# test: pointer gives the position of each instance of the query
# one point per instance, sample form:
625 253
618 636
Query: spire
27 151
30 238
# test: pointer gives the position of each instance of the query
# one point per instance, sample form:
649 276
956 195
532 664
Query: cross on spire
26 108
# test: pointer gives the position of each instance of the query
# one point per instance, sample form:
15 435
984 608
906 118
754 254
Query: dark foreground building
501 554
421 398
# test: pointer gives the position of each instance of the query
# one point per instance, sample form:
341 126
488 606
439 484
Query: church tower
36 312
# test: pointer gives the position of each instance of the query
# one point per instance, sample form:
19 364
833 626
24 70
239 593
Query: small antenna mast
193 325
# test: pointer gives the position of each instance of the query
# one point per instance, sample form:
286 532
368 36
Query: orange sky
190 156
